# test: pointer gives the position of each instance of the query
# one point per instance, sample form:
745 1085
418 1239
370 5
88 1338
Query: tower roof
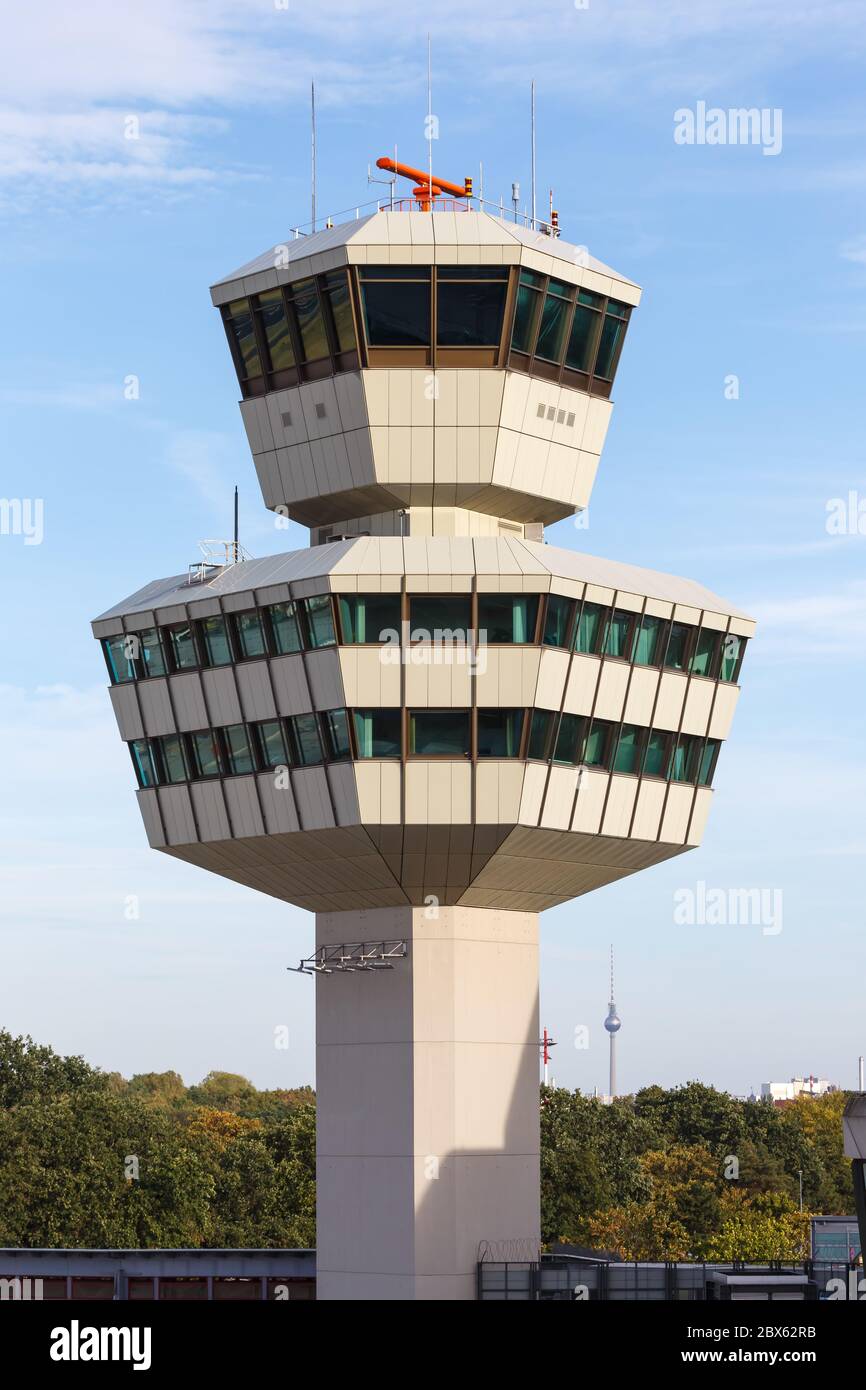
423 238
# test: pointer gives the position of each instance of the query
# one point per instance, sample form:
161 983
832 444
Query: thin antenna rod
313 151
237 538
533 154
430 121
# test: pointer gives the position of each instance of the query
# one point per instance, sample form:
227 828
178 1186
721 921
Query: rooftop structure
429 726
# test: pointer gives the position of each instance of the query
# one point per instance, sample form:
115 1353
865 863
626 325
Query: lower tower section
427 1101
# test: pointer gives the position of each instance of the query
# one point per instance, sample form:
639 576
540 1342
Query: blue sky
752 265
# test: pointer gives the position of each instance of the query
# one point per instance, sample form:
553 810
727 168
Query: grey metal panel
243 804
326 679
174 802
149 808
278 803
175 613
156 707
109 627
203 605
154 1264
344 793
210 810
189 706
290 685
254 684
126 711
138 622
221 694
240 578
236 603
313 798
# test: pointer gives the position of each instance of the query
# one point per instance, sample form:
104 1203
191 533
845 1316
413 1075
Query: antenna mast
533 154
430 121
236 546
313 152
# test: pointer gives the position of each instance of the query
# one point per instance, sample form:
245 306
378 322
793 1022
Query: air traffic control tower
429 726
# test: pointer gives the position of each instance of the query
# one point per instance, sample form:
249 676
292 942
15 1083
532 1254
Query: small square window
570 419
560 417
320 410
542 411
286 418
551 412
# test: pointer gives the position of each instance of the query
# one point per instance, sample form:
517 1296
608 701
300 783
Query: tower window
438 733
499 733
377 732
470 302
507 617
396 304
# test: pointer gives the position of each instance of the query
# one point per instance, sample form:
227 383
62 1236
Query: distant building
777 1091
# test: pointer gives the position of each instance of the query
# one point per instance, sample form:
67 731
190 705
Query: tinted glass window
142 760
685 759
732 655
469 306
507 617
539 734
183 649
250 634
174 758
275 328
557 620
396 312
216 642
675 656
439 619
582 339
612 334
627 749
703 661
655 757
308 746
439 732
320 621
499 732
206 757
595 753
646 642
337 286
242 333
588 628
337 733
370 617
272 745
708 762
616 641
151 653
311 325
119 653
569 739
240 754
552 328
284 626
377 732
525 317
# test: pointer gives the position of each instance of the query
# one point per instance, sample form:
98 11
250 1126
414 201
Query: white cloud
72 73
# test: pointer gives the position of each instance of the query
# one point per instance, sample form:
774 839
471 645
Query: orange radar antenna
427 186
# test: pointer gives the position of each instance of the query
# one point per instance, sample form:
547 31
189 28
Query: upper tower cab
426 374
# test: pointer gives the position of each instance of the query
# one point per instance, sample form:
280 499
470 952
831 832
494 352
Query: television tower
612 1023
